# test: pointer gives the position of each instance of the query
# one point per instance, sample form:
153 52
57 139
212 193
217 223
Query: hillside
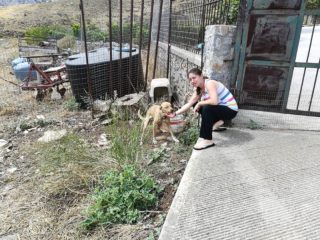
14 2
14 19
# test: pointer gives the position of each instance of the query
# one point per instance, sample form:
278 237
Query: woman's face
195 80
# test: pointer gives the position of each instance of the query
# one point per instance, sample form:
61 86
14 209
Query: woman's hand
197 107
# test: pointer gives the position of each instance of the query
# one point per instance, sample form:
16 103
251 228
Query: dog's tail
139 115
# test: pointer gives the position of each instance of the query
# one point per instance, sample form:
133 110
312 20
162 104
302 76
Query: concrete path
254 184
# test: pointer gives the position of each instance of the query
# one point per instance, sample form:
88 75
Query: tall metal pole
110 51
157 42
140 40
89 82
169 41
202 31
149 45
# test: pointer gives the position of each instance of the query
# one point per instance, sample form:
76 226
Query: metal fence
116 58
185 26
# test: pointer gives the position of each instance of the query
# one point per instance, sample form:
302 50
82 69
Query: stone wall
181 61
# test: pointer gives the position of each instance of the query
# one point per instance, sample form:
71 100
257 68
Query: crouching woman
213 101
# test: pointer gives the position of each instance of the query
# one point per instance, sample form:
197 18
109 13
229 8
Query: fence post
219 52
87 57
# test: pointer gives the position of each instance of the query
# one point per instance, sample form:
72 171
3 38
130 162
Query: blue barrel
21 67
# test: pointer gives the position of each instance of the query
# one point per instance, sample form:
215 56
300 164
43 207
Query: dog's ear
161 108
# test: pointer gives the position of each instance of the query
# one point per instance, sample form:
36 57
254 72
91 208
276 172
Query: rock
12 170
55 95
52 135
106 122
164 145
9 237
128 105
103 140
101 106
3 143
40 117
18 129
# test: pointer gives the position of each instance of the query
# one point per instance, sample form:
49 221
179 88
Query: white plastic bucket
177 124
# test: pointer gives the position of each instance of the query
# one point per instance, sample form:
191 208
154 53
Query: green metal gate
269 76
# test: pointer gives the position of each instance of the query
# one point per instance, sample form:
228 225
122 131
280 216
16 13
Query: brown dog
161 121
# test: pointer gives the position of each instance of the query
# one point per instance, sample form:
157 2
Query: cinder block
160 90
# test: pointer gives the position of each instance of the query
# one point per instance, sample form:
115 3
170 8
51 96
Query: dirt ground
50 203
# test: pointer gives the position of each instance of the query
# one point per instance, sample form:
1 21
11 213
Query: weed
125 138
25 126
158 154
179 149
43 123
71 105
254 125
122 197
151 236
190 136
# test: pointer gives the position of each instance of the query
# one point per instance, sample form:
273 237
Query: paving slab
254 184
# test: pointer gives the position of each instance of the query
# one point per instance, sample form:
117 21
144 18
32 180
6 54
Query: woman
213 101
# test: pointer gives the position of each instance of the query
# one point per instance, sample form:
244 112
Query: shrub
233 11
190 136
75 29
66 42
122 197
94 34
313 4
71 105
45 32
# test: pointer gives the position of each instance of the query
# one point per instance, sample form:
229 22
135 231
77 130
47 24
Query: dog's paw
141 143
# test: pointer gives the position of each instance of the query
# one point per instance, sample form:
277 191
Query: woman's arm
194 98
211 87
